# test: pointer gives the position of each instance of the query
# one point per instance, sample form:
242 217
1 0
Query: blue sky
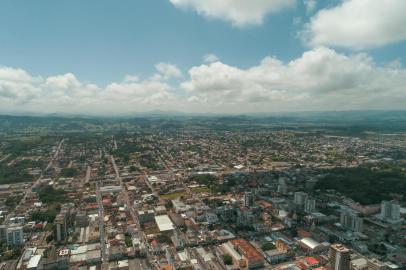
80 45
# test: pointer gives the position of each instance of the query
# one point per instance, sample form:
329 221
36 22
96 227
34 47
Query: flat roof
164 223
34 261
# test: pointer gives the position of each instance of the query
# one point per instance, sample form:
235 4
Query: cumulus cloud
210 58
17 85
168 70
237 12
320 79
358 24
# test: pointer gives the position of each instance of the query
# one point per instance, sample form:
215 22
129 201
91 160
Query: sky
109 57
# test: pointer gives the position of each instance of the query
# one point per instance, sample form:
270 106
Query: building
110 189
350 220
310 205
164 223
61 227
146 216
33 263
245 217
282 187
339 257
390 212
275 256
300 198
310 246
15 236
248 199
179 206
374 264
250 255
3 233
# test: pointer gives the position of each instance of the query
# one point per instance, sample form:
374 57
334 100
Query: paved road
88 174
130 206
105 256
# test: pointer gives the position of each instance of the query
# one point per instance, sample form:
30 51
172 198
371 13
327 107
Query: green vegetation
163 238
48 216
172 196
14 174
69 172
267 246
13 201
227 259
9 254
128 241
200 189
149 161
49 195
213 183
365 185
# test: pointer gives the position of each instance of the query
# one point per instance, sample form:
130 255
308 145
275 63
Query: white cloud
210 58
310 5
17 85
358 24
238 12
320 79
168 70
131 78
66 81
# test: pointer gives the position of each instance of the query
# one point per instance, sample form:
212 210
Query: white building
164 223
390 212
300 198
310 205
351 220
15 236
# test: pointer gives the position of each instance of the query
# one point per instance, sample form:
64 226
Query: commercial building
110 189
164 223
351 220
60 228
300 198
310 205
339 257
390 212
248 199
15 236
251 256
146 216
374 264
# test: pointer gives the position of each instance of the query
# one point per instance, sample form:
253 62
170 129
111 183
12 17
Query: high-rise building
3 233
60 228
15 236
351 220
282 186
339 257
310 205
248 199
300 198
390 212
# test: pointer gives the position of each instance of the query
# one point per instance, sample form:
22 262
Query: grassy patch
172 196
200 189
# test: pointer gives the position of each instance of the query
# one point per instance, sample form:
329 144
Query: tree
69 172
227 259
267 246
